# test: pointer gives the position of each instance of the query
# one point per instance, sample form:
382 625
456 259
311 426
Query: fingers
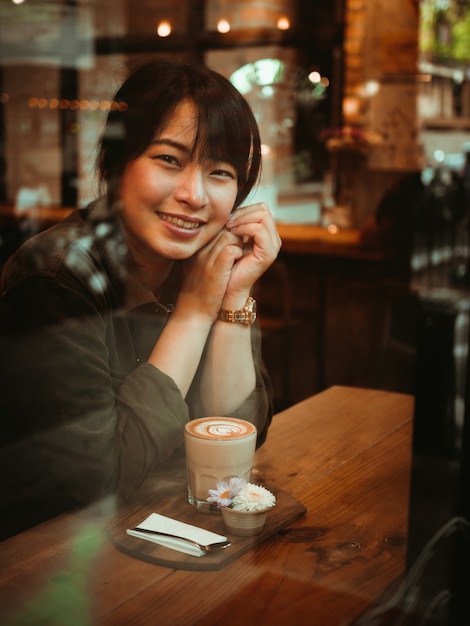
217 257
212 250
233 261
256 221
207 275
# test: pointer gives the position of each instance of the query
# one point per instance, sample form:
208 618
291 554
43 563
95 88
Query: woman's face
172 205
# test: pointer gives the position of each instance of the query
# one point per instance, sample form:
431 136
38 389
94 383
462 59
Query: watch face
251 311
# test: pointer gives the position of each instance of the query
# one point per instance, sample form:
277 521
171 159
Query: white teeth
179 222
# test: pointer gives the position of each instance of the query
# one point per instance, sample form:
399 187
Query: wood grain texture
174 504
345 454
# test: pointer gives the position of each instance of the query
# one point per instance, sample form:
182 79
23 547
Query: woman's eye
166 158
223 173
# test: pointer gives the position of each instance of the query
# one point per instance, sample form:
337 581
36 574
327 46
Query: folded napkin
171 526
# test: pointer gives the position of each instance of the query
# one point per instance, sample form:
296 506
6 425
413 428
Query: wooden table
344 454
46 215
316 240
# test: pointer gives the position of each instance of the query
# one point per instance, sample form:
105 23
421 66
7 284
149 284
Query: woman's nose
192 187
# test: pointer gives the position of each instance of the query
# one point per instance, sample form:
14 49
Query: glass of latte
217 448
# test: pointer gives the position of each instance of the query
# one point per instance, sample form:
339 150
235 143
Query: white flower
253 498
225 492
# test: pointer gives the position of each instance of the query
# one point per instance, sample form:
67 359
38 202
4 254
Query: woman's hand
206 276
256 227
222 273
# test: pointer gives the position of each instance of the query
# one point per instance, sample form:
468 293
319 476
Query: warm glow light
371 88
332 229
351 106
223 26
283 23
164 29
324 82
83 105
265 149
17 1
314 77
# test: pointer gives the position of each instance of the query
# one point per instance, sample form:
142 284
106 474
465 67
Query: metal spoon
210 547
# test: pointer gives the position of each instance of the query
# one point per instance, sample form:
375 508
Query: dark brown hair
227 129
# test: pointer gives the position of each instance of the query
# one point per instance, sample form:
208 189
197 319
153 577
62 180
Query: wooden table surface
309 239
47 214
345 454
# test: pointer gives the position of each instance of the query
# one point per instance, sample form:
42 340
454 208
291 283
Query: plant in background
348 146
350 139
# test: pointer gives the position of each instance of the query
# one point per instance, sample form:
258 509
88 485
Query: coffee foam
220 428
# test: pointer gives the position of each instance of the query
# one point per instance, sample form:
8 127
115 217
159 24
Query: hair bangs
224 135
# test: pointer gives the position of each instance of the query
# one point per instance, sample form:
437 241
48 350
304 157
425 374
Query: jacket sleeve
258 406
96 427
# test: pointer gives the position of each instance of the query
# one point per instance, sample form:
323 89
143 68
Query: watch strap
246 316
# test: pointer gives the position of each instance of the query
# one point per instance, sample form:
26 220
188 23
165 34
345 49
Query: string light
314 77
164 28
283 23
74 105
223 26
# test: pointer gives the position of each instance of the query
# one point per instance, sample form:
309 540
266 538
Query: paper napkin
164 524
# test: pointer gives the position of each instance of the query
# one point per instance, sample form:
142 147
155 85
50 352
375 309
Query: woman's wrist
191 316
245 315
235 301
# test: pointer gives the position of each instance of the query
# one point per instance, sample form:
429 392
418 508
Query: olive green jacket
81 410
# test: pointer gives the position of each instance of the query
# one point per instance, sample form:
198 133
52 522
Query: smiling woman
225 128
176 200
121 323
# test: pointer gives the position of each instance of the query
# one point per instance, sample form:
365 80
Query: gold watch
246 316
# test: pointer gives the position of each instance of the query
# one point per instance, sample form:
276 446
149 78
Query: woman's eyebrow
172 143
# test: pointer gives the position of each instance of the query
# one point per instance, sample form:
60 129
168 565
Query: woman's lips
180 221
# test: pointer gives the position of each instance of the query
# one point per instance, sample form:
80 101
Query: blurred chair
398 341
277 321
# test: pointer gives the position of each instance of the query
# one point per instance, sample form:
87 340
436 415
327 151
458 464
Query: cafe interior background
357 100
